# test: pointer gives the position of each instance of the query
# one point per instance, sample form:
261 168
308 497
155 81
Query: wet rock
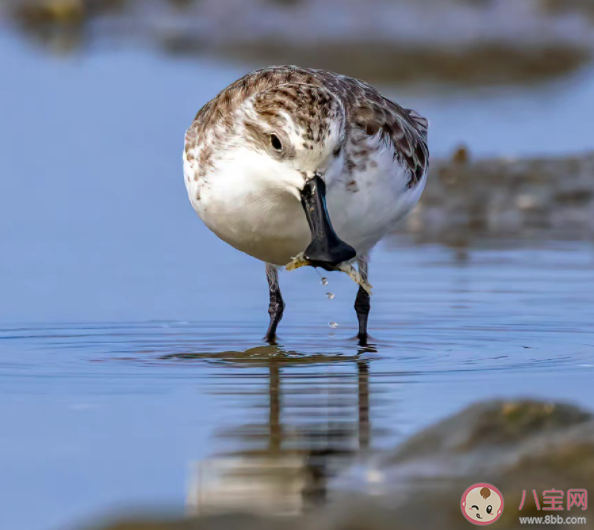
563 6
516 446
40 13
60 26
503 441
506 198
494 424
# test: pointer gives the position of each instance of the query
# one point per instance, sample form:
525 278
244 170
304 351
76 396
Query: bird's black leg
277 306
362 304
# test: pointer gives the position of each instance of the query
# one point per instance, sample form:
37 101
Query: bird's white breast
369 200
252 203
241 204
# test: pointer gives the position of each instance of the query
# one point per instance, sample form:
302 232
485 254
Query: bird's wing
404 129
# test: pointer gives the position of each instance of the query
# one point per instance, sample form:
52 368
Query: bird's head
296 133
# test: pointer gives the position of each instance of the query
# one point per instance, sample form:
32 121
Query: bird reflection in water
317 423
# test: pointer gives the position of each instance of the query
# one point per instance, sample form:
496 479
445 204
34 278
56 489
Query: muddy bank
515 445
452 41
466 199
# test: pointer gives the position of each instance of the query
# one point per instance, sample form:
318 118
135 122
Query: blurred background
135 382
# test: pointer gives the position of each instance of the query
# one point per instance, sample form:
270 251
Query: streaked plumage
250 151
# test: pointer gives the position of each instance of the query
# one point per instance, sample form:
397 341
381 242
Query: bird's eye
489 508
275 142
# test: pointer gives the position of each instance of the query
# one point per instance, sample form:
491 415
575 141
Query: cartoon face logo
482 504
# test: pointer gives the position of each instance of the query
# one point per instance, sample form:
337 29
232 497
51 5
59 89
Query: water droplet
324 281
333 325
330 296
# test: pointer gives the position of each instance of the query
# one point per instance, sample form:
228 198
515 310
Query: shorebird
292 161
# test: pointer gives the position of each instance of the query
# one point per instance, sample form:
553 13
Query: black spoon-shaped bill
326 249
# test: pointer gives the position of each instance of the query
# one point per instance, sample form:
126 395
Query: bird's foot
363 339
271 338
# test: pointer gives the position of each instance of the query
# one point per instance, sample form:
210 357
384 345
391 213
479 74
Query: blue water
130 336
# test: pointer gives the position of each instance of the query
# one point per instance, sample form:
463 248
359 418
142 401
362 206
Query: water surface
132 366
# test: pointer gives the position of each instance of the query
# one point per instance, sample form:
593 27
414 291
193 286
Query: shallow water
102 416
132 368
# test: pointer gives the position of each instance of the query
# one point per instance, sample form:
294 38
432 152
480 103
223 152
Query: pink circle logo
482 504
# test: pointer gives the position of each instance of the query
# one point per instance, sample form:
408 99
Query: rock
65 12
487 425
516 446
503 441
506 198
